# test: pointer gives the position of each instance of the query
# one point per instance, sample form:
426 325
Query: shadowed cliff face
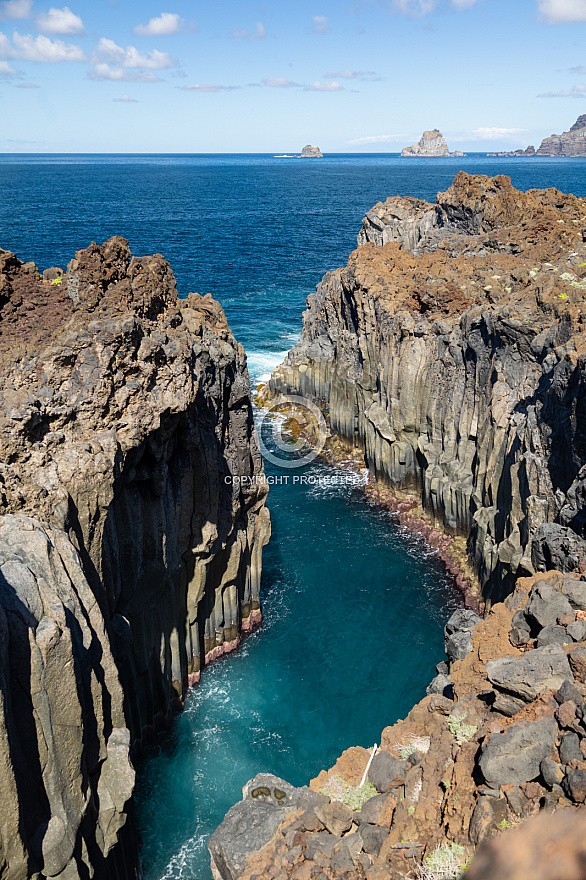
128 559
452 350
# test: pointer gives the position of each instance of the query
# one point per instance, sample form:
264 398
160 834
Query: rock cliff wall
569 143
459 369
128 556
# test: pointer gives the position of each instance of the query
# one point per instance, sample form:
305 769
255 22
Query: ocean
354 608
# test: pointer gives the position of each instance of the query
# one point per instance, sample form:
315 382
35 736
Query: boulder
577 657
553 635
551 772
458 633
373 838
577 630
570 748
557 547
442 685
336 816
575 590
387 772
515 755
486 819
545 605
527 676
575 785
250 824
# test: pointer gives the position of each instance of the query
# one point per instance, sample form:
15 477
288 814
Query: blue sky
366 75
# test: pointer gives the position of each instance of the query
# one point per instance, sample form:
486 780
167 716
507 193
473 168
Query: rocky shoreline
449 358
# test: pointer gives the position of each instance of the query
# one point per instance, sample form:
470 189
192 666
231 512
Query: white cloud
197 87
15 9
120 74
333 86
562 11
378 139
7 70
131 58
60 21
39 48
419 8
27 85
259 33
321 24
125 99
279 82
349 74
494 133
166 23
577 91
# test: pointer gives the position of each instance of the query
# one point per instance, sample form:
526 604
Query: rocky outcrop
529 151
451 351
458 772
431 144
129 556
309 152
570 143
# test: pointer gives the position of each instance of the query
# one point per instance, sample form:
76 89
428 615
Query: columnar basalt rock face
570 143
129 555
460 368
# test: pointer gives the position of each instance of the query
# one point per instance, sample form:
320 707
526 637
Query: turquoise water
353 608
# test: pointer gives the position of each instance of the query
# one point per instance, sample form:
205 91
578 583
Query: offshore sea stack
128 559
451 350
431 144
570 143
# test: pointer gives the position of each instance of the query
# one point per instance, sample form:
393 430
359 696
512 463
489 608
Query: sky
174 76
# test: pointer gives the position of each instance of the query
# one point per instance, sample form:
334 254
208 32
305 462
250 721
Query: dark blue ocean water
353 609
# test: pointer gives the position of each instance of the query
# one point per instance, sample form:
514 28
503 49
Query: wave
261 363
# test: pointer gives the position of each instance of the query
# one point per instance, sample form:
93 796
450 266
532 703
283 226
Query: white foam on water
261 363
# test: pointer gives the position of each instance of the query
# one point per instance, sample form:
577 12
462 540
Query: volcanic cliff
569 143
129 556
451 352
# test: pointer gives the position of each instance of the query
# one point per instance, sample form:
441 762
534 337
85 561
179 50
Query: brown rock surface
570 143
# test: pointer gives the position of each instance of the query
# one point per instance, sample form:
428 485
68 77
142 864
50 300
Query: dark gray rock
552 772
577 630
568 691
387 772
515 755
519 637
557 547
322 842
570 748
443 668
341 859
252 823
575 590
372 809
458 633
507 704
373 838
442 685
520 621
545 605
553 635
486 819
527 676
575 785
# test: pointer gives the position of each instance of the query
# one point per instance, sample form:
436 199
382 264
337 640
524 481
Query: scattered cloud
40 48
321 24
60 21
577 91
350 74
15 9
165 24
494 133
125 99
378 139
279 82
581 70
562 11
7 70
131 58
197 87
259 33
120 74
420 8
332 86
27 85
